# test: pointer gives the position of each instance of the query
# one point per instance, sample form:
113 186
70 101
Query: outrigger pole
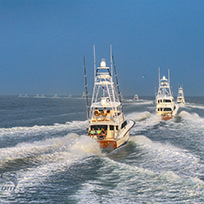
111 60
118 89
86 88
169 76
94 51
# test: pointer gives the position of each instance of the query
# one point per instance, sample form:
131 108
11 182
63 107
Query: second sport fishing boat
165 104
180 97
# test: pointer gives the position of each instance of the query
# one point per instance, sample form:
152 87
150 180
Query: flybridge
164 85
104 91
104 94
103 74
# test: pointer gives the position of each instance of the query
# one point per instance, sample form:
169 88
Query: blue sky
42 44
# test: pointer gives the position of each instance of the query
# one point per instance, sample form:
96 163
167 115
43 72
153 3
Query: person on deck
103 132
92 132
104 113
98 131
96 112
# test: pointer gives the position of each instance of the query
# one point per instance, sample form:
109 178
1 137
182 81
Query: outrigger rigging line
117 83
116 78
86 88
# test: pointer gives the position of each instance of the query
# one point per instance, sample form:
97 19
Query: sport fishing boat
136 97
165 104
107 123
180 97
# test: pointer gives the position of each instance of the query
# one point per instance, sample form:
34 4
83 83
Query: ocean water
47 157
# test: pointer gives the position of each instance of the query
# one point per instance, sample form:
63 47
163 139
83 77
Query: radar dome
164 78
103 63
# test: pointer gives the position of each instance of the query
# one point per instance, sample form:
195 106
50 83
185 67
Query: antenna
86 88
111 60
169 76
159 75
155 92
94 52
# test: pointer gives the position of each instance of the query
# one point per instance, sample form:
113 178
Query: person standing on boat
103 132
99 131
104 112
92 132
96 112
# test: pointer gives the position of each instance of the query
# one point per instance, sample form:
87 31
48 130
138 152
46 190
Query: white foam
194 105
28 131
139 103
192 122
140 139
54 155
45 150
166 156
139 115
125 183
145 121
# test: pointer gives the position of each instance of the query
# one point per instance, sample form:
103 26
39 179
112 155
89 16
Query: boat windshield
167 101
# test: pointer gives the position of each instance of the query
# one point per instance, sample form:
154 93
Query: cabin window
174 107
167 109
111 127
124 124
96 127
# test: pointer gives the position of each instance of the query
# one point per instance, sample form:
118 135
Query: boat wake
192 121
13 136
144 121
161 170
193 105
39 129
42 159
139 102
137 116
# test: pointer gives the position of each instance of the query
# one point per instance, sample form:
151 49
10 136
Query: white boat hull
167 116
119 141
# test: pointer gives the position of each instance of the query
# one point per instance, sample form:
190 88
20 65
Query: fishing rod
86 88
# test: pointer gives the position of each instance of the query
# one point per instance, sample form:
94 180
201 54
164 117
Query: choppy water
43 144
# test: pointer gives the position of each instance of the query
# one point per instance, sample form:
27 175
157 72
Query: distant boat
55 96
23 96
136 97
107 123
37 96
70 96
165 104
180 97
